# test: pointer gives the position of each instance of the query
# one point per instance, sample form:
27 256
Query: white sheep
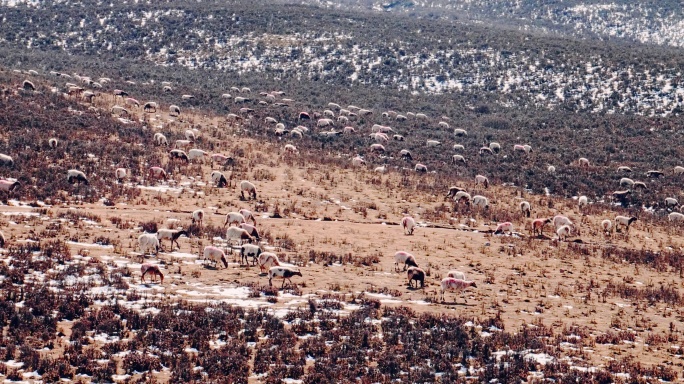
443 124
358 161
456 275
6 160
190 135
120 174
198 216
582 201
246 186
624 168
281 272
248 215
174 110
219 179
408 224
160 139
215 255
494 146
405 154
480 179
626 182
504 227
455 285
583 162
377 148
267 260
458 159
420 168
462 196
249 250
251 229
675 216
460 132
480 202
52 143
563 232
560 220
381 169
678 170
526 209
291 149
459 147
405 258
522 148
551 169
623 221
486 151
234 217
433 143
197 154
235 233
607 226
671 202
147 242
172 235
76 176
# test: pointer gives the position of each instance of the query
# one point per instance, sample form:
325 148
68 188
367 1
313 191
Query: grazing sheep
583 162
150 107
640 184
172 235
219 179
118 92
538 225
198 217
455 285
147 242
654 174
235 233
443 124
249 250
381 169
408 224
52 143
462 196
525 208
453 191
174 110
120 175
417 274
270 120
420 168
267 260
152 270
433 143
456 275
480 202
551 169
624 169
358 161
132 101
291 149
626 182
405 258
563 232
251 229
421 116
671 202
621 195
377 148
560 220
678 170
196 154
215 255
494 146
458 158
504 227
246 186
248 215
234 217
28 86
522 148
480 179
324 123
348 130
623 221
405 154
304 116
9 185
582 201
460 132
181 143
190 135
459 147
157 173
285 273
607 226
379 136
398 138
76 176
486 150
675 216
160 139
6 160
177 154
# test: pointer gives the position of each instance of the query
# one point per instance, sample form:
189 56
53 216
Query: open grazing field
595 306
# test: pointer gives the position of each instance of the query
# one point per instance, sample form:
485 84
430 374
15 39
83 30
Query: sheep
150 107
198 216
160 139
381 169
251 229
621 195
671 202
456 275
583 162
623 221
76 176
235 233
398 137
626 182
249 250
582 201
624 169
494 146
291 149
654 174
405 154
234 217
525 208
245 90
348 130
223 159
379 136
480 202
421 116
522 148
365 112
328 112
215 255
417 274
538 225
190 135
177 154
678 170
462 196
563 232
240 100
9 185
6 160
640 184
458 147
405 258
152 270
456 285
551 169
284 273
172 235
182 143
267 260
453 191
675 216
324 123
148 241
120 174
408 224
358 161
118 92
485 151
460 132
246 186
480 179
132 101
52 143
443 124
377 148
504 227
607 226
174 110
248 215
2 240
304 116
157 173
420 168
401 118
196 154
28 86
560 220
458 158
433 143
219 179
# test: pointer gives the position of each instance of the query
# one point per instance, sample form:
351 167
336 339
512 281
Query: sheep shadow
456 304
413 289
